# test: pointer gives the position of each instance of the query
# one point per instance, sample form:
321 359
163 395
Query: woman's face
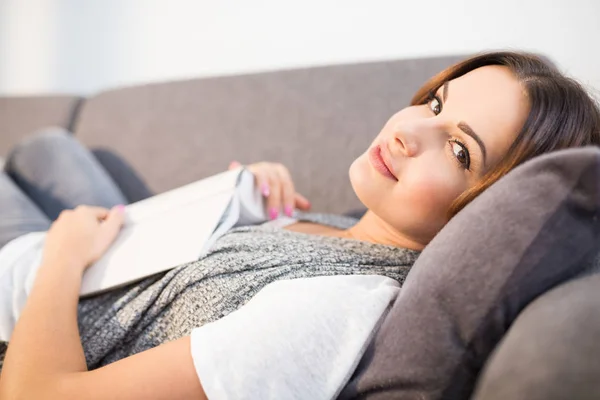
427 155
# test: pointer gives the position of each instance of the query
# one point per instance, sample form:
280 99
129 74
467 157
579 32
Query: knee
552 350
39 145
47 136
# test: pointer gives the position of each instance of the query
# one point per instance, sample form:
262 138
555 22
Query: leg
18 214
131 183
58 173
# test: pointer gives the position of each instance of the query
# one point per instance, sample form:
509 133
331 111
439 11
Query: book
175 227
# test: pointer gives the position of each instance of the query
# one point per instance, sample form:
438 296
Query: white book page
162 232
247 207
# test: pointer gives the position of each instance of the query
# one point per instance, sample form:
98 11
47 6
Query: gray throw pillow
533 229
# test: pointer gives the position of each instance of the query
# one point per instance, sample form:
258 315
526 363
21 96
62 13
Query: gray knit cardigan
167 306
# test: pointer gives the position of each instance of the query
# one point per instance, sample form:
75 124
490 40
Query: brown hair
561 114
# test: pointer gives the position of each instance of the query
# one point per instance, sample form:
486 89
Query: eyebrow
445 91
463 126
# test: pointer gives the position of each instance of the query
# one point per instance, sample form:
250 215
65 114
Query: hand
276 185
80 237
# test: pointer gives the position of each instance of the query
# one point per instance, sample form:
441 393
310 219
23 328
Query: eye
435 104
461 153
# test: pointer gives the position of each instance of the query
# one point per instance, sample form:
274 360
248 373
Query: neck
371 228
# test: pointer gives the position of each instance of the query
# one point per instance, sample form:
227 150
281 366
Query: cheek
430 192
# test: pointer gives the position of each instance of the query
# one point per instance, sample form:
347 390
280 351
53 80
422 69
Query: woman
302 337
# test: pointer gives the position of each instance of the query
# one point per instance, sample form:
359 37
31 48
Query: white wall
83 46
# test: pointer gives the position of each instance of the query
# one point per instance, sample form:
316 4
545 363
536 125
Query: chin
361 180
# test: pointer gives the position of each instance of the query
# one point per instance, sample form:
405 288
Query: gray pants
46 174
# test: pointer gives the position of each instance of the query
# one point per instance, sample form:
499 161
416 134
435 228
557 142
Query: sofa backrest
315 121
22 116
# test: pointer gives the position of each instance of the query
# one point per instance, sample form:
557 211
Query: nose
414 136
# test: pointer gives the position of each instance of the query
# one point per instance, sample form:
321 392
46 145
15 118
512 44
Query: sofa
159 136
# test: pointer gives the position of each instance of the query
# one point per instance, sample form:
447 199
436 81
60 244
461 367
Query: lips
379 163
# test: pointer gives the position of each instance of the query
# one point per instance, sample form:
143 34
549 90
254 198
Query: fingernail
288 211
120 207
233 164
265 190
273 213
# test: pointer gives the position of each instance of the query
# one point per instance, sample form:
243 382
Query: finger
234 165
287 190
109 229
274 198
99 212
302 202
261 179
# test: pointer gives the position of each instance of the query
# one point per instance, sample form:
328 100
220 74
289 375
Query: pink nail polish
265 190
121 208
288 211
273 213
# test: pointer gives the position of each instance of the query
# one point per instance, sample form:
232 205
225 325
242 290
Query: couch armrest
552 351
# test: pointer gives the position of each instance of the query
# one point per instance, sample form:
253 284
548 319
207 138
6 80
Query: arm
45 359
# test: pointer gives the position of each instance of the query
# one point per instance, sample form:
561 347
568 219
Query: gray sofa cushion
22 116
316 121
535 228
552 351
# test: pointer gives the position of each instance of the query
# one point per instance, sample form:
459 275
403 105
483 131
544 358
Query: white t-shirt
296 339
19 262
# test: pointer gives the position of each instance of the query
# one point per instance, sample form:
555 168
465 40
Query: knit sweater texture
168 305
